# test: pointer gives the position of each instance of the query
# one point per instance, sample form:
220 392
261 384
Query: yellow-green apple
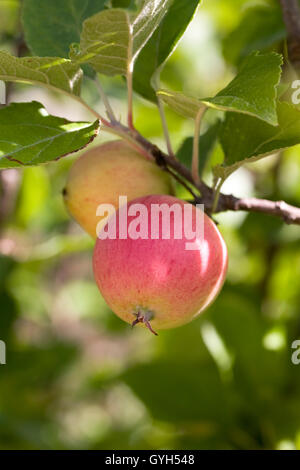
159 260
106 172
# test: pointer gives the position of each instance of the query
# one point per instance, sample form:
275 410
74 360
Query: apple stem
140 318
109 111
165 127
195 159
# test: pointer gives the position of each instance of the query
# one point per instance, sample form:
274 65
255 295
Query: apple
160 276
104 173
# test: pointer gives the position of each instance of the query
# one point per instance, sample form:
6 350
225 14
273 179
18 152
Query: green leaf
182 104
29 136
105 42
253 90
51 26
111 40
207 143
161 45
246 139
147 21
261 27
52 72
123 3
195 382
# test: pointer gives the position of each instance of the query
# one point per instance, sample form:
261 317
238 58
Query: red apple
160 280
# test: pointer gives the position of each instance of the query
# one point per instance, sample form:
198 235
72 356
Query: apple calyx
144 316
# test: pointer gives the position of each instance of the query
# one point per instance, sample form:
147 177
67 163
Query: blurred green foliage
76 376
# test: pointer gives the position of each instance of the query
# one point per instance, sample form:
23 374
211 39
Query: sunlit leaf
146 22
253 90
30 136
51 72
112 39
106 42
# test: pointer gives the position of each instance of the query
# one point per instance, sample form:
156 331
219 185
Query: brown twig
291 17
289 214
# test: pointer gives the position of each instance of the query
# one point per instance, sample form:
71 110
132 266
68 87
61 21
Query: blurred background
76 376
